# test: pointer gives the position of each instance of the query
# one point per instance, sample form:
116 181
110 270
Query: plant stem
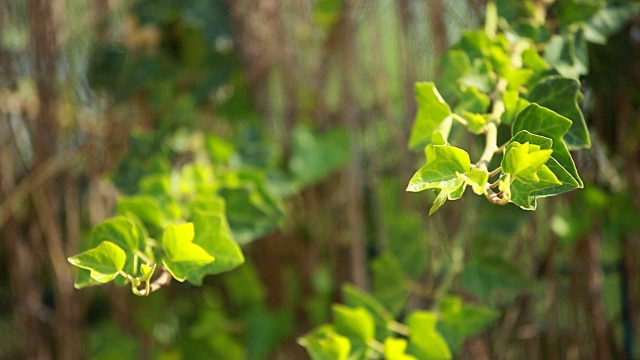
459 119
491 19
399 328
491 132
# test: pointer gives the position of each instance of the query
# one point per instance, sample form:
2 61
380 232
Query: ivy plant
497 82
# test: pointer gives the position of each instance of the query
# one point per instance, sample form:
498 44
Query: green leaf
182 255
513 105
442 197
567 53
424 340
122 232
523 161
608 20
324 343
394 349
544 122
212 233
145 207
355 323
354 297
531 59
316 155
561 95
567 182
389 283
477 178
460 321
454 64
441 171
480 76
476 122
525 193
473 101
491 276
433 114
104 261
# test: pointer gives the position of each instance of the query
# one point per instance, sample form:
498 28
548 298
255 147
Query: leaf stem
144 257
399 328
495 172
459 119
376 345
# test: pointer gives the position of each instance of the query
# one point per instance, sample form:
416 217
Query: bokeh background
315 97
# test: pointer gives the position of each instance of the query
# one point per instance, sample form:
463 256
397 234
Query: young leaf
212 234
561 95
104 261
523 161
394 349
425 341
525 193
355 323
473 101
433 113
182 255
324 343
477 178
513 105
476 122
544 122
354 297
441 172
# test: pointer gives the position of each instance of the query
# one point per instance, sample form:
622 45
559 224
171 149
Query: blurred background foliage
302 110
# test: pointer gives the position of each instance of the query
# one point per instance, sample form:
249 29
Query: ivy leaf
476 122
477 178
523 161
608 20
459 321
567 53
324 343
389 282
544 122
513 105
441 171
425 341
473 101
122 232
355 323
433 113
561 95
317 155
394 349
454 64
354 297
182 255
480 76
566 180
212 233
525 193
104 261
145 207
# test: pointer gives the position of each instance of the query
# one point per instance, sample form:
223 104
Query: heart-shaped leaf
182 255
104 262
